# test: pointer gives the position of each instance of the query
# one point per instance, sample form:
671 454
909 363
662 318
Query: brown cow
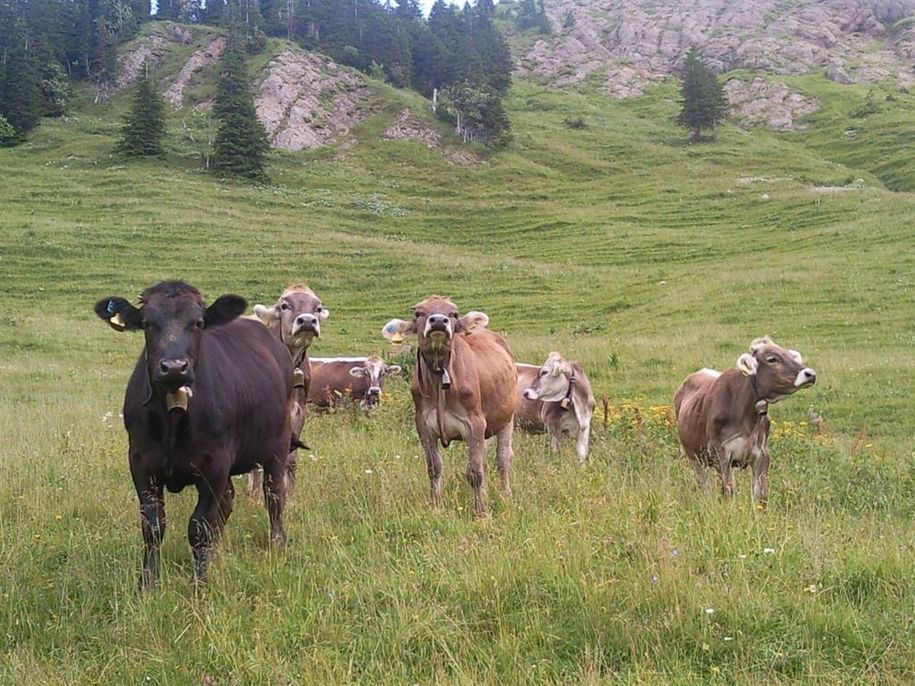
358 378
296 320
556 396
722 418
209 397
463 388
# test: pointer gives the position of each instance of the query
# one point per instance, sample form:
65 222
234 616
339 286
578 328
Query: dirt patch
762 102
204 58
306 100
409 128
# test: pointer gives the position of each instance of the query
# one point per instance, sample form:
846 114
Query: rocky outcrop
204 58
762 102
306 100
629 44
150 51
408 128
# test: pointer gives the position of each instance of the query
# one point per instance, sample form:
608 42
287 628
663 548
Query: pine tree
241 144
704 103
144 125
20 93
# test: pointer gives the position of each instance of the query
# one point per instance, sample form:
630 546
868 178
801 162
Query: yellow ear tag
117 322
396 338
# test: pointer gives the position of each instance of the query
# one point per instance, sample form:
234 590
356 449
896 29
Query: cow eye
454 315
542 372
284 306
416 315
199 323
319 309
772 359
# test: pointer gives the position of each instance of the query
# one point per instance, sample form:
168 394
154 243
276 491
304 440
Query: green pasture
618 244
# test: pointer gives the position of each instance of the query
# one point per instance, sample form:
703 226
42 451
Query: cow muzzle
805 377
173 373
306 324
531 394
373 392
438 325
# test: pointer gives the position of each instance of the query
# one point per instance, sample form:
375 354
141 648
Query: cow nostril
164 366
182 366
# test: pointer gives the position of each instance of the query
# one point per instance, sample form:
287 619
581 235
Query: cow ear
796 356
324 313
224 310
397 329
747 364
391 369
266 314
473 320
357 371
120 314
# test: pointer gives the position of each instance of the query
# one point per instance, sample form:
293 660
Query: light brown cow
296 320
360 379
723 420
463 388
557 397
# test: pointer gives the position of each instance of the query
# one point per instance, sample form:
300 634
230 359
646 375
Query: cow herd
215 394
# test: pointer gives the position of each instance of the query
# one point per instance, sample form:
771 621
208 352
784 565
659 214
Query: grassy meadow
618 244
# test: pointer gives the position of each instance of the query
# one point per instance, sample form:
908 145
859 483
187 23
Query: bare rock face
306 100
762 102
409 128
149 50
204 58
630 44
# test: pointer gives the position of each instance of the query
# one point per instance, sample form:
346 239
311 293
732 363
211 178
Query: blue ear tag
111 307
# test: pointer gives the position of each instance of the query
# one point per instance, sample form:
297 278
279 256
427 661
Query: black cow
209 397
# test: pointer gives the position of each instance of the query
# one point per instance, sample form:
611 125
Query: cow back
331 381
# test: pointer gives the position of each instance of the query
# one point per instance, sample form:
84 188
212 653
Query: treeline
456 56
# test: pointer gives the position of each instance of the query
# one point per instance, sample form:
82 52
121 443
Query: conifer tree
241 144
20 94
704 103
144 125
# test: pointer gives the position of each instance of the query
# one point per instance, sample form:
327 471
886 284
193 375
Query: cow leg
723 459
761 480
152 523
504 455
214 505
701 475
275 499
433 461
555 431
254 482
584 437
476 464
292 461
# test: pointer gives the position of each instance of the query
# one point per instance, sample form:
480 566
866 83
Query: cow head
552 382
777 372
435 322
296 316
374 370
172 317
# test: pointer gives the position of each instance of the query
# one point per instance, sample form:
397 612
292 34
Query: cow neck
438 364
566 402
760 404
438 367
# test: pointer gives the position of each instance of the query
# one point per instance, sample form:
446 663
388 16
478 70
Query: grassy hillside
616 243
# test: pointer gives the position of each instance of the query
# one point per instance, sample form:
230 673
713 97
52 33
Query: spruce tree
241 144
144 125
20 93
704 103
